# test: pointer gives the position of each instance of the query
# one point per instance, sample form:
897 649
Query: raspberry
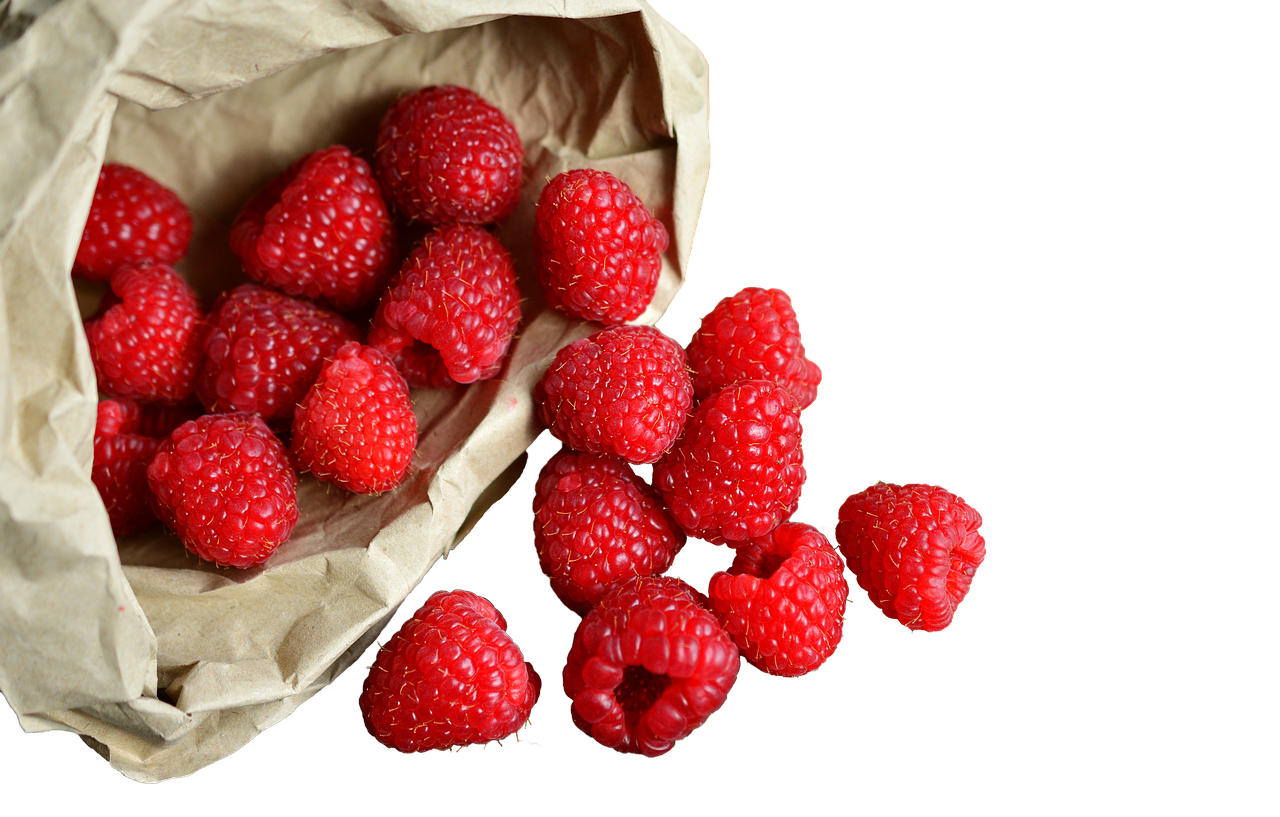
456 296
624 391
120 460
355 427
597 248
913 548
159 420
133 219
264 350
320 230
753 335
224 485
147 341
450 677
445 155
782 601
736 471
648 666
596 524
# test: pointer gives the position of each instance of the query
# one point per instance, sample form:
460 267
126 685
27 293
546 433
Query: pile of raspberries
207 418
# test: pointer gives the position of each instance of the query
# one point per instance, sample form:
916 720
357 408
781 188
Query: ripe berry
133 219
913 548
224 485
597 248
355 428
782 601
736 471
596 524
120 459
450 315
445 155
320 231
648 666
450 677
264 350
753 335
147 341
624 391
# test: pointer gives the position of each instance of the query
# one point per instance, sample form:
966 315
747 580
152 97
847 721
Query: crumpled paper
165 664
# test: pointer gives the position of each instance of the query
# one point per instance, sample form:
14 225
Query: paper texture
162 663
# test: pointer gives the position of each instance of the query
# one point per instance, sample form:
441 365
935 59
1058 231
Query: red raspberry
320 230
120 460
736 471
596 524
914 549
147 341
445 155
133 219
264 350
457 297
597 248
159 420
783 599
450 677
356 427
624 391
648 666
224 485
753 335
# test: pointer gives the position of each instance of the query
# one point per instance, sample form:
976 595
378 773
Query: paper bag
162 663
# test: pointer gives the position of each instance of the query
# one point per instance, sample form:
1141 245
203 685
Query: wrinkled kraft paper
162 663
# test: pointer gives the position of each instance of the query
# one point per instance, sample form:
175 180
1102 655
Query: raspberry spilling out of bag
598 249
753 335
736 472
648 666
596 523
450 677
914 549
783 599
624 391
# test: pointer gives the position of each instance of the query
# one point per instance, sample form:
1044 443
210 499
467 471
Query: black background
836 178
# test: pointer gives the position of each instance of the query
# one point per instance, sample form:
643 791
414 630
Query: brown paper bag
164 664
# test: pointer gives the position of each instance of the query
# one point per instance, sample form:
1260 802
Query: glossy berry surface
624 391
753 335
320 231
451 676
133 219
597 248
446 155
782 601
648 666
224 485
355 427
914 549
147 339
450 315
120 460
737 470
596 524
264 350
